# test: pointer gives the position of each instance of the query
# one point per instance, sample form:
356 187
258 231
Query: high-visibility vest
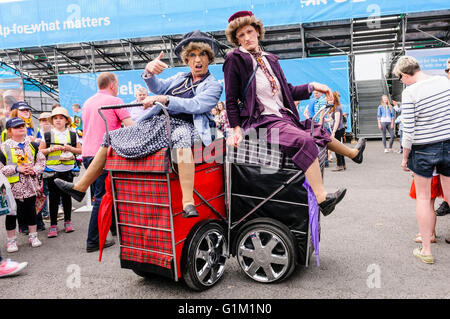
11 159
53 157
4 132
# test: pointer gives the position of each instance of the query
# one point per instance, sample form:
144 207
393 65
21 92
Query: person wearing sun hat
21 162
269 104
44 122
59 146
189 97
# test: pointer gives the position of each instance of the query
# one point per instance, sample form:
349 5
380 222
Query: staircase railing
384 82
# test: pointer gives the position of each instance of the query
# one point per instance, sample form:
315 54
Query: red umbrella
105 216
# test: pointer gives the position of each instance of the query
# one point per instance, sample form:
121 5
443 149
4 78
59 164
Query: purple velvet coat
294 137
237 68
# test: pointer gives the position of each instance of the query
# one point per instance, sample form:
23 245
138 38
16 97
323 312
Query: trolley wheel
144 274
204 255
265 250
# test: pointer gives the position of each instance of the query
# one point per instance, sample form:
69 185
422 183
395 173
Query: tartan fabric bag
261 153
142 201
143 210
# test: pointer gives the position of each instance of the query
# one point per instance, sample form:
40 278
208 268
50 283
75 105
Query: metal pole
93 58
131 55
56 62
351 36
446 43
404 23
302 33
171 53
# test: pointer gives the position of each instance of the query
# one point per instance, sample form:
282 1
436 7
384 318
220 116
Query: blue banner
431 61
28 23
332 71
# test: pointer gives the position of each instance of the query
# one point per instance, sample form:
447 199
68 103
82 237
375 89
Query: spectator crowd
34 158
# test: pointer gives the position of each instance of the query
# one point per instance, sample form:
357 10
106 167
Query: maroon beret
240 14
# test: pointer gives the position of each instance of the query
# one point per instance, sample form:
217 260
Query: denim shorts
423 159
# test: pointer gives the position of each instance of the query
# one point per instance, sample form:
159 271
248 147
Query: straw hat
61 111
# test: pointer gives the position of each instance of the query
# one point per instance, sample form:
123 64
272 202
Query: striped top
426 112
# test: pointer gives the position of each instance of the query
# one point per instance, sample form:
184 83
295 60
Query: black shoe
328 205
67 187
360 146
443 210
108 243
40 227
447 240
190 211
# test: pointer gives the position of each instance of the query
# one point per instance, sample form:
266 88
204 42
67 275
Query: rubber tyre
204 255
266 250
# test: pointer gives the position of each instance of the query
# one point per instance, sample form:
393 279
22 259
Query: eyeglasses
446 70
400 77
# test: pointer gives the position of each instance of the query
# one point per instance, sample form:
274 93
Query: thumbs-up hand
156 66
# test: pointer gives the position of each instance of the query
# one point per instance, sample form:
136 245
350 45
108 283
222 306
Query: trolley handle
326 106
119 106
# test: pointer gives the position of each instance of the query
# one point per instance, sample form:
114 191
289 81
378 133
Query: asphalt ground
365 252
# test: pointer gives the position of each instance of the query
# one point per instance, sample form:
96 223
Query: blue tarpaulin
28 23
333 71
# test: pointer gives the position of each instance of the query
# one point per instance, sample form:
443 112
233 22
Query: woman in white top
60 146
426 140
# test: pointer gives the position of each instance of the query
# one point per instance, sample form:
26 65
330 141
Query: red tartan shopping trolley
154 237
253 207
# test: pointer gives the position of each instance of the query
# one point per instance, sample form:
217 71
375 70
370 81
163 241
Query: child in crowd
60 145
44 122
21 162
23 110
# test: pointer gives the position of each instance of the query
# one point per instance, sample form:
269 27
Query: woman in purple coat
269 103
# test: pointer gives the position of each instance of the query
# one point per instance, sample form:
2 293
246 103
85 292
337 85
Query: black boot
360 146
328 205
67 188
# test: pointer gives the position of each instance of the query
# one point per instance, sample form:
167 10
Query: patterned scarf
258 56
28 121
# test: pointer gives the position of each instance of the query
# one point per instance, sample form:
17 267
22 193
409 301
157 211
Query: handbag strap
249 81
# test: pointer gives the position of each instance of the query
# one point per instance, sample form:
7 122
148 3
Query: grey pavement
365 252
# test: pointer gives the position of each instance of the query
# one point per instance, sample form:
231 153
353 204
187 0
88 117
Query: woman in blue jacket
386 119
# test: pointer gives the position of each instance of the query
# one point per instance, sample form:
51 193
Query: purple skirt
294 137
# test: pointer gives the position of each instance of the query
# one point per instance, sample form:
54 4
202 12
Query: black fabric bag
241 102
